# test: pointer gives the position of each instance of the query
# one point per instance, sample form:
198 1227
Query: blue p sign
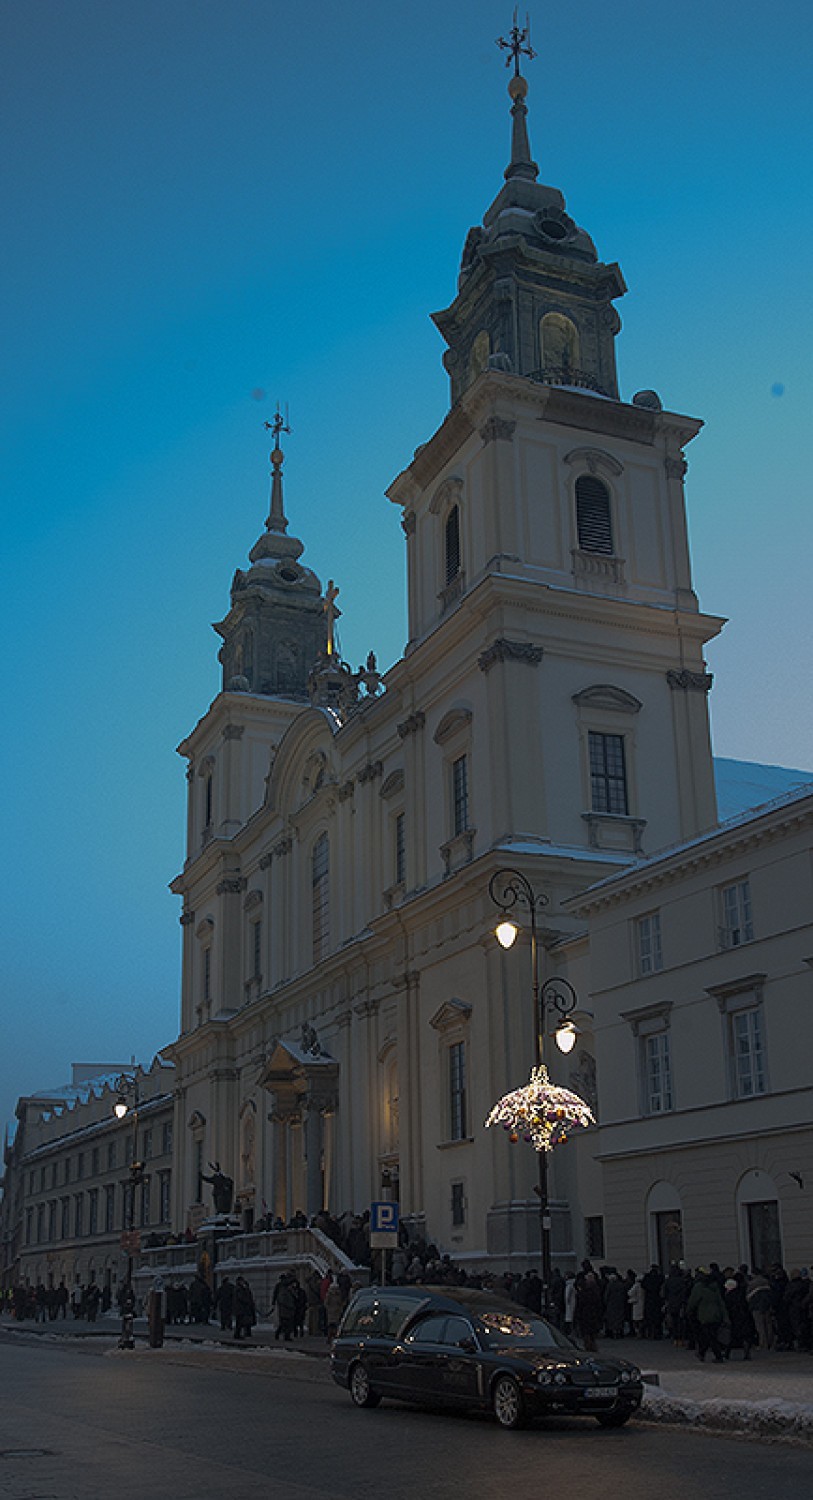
383 1218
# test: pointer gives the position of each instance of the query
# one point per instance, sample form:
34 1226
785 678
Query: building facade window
40 1223
53 1174
458 1112
67 1172
657 1070
458 1204
452 545
147 1149
29 1225
164 1193
146 1205
649 951
166 1139
93 1211
79 1215
111 1156
208 800
747 1052
735 911
594 1237
109 1207
94 1162
65 1227
320 897
608 773
400 849
80 1165
460 794
594 516
207 974
52 1220
256 949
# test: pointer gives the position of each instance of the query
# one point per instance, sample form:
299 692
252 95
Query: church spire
276 519
518 44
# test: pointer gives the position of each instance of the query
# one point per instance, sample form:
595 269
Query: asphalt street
85 1421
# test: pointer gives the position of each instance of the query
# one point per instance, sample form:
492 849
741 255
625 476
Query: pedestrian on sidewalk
706 1310
245 1313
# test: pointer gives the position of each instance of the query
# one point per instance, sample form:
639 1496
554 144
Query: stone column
411 732
314 1189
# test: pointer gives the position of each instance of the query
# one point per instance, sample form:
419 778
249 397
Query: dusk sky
214 204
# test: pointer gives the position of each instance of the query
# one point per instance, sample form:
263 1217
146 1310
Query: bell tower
533 297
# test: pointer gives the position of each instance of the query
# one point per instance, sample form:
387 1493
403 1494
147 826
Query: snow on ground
771 1418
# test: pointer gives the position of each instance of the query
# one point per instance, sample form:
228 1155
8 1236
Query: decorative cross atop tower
276 520
518 44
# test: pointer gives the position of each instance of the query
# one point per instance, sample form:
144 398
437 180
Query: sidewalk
770 1395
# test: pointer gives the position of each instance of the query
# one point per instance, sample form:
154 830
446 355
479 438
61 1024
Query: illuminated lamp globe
566 1036
120 1107
506 934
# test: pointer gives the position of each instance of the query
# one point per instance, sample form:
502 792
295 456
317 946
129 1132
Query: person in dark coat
245 1313
743 1327
224 1302
676 1290
557 1298
615 1306
589 1309
707 1313
652 1284
286 1308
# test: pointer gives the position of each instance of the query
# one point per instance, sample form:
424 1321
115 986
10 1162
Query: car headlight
560 1378
544 1377
625 1377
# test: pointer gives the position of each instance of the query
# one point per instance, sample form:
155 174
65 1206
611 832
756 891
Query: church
348 1017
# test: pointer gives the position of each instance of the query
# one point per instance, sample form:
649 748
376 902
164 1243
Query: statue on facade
222 1188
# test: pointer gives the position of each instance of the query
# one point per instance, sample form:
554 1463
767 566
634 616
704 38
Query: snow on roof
743 784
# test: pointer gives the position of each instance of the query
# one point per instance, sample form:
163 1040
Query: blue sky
207 201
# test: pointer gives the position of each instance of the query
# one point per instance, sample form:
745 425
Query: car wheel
361 1392
506 1399
612 1418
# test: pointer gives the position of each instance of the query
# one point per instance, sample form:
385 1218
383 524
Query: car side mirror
468 1344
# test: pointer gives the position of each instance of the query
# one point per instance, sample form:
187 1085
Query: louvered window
593 518
452 544
320 897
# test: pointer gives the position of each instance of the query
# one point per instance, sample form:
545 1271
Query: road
84 1422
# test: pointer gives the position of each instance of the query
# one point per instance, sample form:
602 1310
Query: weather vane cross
277 425
518 44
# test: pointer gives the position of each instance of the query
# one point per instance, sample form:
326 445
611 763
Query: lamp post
128 1085
511 890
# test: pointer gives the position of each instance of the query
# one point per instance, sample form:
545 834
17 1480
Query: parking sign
383 1226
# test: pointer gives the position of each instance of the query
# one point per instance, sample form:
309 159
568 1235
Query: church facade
348 1017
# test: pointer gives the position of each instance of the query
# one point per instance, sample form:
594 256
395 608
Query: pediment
288 1063
455 720
603 695
392 784
595 460
451 1013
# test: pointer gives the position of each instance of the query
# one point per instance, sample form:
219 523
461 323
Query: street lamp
128 1085
510 890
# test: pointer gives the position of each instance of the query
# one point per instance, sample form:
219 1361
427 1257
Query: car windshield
509 1330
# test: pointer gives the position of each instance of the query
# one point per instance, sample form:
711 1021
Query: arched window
559 340
480 350
452 544
593 515
320 897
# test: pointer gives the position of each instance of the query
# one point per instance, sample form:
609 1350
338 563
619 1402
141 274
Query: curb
777 1420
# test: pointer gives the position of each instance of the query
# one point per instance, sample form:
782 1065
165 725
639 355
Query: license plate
600 1392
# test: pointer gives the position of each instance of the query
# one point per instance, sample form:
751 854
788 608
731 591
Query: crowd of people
709 1310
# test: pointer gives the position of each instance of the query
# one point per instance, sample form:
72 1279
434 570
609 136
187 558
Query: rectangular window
458 1204
80 1165
94 1162
657 1073
109 1207
53 1174
457 1092
608 774
66 1219
128 1150
111 1156
67 1176
747 1050
199 1171
52 1220
164 1186
650 955
145 1202
256 949
594 1237
29 1222
147 1145
460 794
93 1211
79 1215
166 1140
40 1223
400 849
737 926
207 975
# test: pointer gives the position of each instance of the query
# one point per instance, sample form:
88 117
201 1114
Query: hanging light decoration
540 1113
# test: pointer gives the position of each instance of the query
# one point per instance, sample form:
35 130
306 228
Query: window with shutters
320 897
594 515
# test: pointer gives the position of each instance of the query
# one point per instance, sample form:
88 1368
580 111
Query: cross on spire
518 43
276 520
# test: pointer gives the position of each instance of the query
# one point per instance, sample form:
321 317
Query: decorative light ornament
506 934
540 1112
